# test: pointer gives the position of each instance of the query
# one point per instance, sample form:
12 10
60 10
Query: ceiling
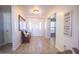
43 10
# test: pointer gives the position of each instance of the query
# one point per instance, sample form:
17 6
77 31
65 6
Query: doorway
1 29
5 29
53 30
36 27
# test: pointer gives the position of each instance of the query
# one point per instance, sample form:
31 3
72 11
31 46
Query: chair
25 37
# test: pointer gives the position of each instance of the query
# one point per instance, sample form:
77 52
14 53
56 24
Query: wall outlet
65 47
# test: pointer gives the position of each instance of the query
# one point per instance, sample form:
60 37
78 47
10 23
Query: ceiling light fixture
35 11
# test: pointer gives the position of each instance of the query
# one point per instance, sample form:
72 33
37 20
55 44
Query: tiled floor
37 45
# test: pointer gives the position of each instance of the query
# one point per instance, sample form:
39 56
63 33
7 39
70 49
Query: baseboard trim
15 48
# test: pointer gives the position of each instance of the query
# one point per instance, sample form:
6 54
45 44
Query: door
53 31
53 28
1 29
7 27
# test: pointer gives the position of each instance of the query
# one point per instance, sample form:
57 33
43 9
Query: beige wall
62 39
16 34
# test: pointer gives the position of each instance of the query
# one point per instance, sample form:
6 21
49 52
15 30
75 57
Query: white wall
61 39
16 34
35 26
47 28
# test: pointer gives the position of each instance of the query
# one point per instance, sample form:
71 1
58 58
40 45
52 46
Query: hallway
37 45
40 22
